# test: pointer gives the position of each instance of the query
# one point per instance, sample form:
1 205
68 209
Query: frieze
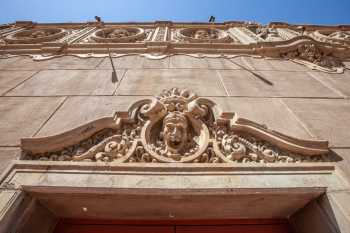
174 127
331 45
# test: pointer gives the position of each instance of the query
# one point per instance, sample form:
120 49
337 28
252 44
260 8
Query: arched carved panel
33 36
118 35
203 35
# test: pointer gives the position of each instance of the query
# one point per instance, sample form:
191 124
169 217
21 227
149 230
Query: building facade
174 127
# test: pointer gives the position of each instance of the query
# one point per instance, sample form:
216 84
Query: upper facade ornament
203 35
118 35
175 127
331 44
33 36
333 37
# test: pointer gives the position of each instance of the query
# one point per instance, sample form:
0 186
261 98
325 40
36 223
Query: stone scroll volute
174 127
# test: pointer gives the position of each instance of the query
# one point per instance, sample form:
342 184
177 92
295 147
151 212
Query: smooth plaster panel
183 61
9 79
284 84
325 118
77 111
7 154
22 117
271 112
134 62
221 63
65 62
8 63
68 82
340 83
269 64
154 81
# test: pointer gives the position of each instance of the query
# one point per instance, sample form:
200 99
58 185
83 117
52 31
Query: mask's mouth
175 142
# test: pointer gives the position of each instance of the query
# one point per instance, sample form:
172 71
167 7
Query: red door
206 226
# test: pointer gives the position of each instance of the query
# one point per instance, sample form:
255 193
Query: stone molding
167 38
175 127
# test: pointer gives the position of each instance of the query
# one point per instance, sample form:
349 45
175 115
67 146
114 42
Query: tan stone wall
48 97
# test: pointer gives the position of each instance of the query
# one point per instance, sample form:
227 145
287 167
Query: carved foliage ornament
179 127
313 54
119 35
203 35
32 36
333 37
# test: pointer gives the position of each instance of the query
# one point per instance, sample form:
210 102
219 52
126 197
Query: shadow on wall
317 217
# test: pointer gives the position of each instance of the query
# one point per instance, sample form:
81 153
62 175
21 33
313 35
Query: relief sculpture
174 127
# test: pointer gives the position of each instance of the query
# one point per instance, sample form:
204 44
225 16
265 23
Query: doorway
195 226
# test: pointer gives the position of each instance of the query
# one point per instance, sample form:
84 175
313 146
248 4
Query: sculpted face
201 34
205 34
118 33
175 132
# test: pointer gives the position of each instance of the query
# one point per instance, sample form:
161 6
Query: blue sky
263 11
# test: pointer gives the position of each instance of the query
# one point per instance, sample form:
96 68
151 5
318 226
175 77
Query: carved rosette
203 35
33 36
119 35
175 127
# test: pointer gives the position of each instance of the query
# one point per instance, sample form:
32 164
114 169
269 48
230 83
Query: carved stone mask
204 34
175 132
118 33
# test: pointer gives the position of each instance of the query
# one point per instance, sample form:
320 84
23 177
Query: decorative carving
268 34
340 35
203 35
33 36
163 39
119 35
160 34
176 126
333 37
312 53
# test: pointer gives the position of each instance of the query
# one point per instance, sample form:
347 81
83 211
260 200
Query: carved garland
175 127
313 56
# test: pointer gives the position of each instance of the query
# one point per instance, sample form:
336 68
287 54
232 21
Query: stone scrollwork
33 36
174 127
313 56
119 35
332 37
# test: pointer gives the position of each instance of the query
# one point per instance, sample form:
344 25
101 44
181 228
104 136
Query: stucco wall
48 97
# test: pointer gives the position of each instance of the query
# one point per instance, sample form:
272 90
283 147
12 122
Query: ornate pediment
175 127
